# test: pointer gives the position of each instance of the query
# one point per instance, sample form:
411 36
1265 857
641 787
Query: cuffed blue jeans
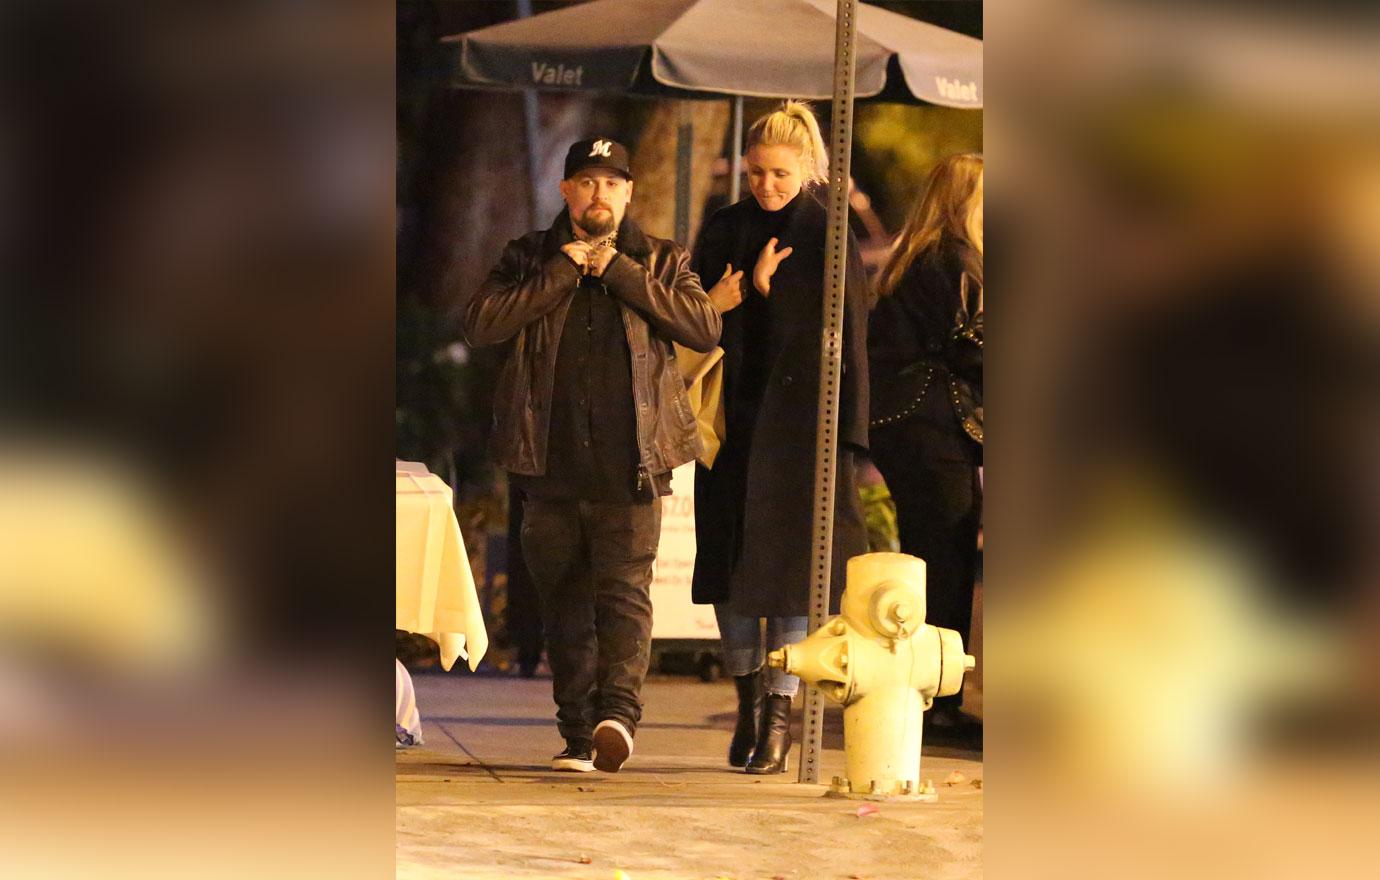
743 650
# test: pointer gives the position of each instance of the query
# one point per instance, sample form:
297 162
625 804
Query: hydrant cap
891 611
900 576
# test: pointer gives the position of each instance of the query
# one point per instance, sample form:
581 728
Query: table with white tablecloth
435 588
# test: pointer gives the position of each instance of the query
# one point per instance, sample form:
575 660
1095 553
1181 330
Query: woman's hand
767 261
727 293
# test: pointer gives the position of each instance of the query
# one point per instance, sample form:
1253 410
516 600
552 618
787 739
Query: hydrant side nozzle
969 663
777 659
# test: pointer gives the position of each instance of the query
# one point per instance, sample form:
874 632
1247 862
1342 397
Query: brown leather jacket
528 294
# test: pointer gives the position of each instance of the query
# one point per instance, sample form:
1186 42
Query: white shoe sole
572 765
613 746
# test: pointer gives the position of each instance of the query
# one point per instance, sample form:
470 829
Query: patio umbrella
713 48
710 48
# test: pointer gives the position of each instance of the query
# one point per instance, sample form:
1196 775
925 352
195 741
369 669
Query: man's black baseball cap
597 153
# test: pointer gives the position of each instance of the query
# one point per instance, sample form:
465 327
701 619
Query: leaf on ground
955 778
977 783
585 860
584 788
868 810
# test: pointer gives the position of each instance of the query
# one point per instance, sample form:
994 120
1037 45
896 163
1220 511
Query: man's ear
630 190
565 189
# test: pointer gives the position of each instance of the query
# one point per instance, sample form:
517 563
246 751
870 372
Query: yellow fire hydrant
885 665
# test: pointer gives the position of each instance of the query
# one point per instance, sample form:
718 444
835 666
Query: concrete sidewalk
479 799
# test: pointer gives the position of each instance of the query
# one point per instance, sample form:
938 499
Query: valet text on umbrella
955 90
558 74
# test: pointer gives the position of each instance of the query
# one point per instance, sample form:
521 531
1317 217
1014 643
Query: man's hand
579 252
767 261
599 259
727 292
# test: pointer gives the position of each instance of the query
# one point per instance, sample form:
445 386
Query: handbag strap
965 309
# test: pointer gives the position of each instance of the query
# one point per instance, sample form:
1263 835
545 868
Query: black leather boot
750 697
772 753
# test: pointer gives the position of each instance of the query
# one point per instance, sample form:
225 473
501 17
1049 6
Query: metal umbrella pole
685 142
531 118
830 363
735 153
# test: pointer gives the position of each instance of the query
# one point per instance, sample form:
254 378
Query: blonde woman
753 510
925 353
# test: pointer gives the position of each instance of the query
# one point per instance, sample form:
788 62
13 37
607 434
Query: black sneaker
613 744
577 757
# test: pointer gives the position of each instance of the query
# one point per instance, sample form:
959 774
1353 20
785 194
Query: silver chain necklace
607 241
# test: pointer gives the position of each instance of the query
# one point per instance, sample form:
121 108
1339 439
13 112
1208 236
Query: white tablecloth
435 588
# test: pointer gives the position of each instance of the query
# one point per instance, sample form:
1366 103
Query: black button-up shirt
592 448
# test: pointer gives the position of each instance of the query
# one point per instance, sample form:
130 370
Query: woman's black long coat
754 509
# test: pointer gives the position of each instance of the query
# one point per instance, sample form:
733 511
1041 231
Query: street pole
531 119
735 153
830 363
685 142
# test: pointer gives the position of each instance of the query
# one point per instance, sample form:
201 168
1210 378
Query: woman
753 509
925 354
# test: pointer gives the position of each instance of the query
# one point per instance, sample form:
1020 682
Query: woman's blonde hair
794 125
949 211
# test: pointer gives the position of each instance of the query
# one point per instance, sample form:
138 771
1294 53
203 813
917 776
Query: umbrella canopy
757 48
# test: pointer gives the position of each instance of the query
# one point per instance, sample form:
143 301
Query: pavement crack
480 761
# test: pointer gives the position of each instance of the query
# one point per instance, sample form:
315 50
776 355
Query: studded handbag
899 396
965 370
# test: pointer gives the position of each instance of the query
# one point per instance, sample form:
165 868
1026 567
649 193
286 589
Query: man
590 416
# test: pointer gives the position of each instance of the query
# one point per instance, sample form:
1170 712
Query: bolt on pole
831 362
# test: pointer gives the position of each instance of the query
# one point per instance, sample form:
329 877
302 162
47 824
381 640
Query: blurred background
1185 479
196 325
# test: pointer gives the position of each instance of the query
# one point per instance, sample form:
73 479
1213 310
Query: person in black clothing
754 509
590 416
925 352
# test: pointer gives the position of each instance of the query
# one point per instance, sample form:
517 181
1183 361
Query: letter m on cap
602 148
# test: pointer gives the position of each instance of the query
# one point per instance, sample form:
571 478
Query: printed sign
674 616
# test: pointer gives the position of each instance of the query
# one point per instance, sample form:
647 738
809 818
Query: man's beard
597 225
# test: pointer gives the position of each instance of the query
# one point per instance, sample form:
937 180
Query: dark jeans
592 564
522 619
931 471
